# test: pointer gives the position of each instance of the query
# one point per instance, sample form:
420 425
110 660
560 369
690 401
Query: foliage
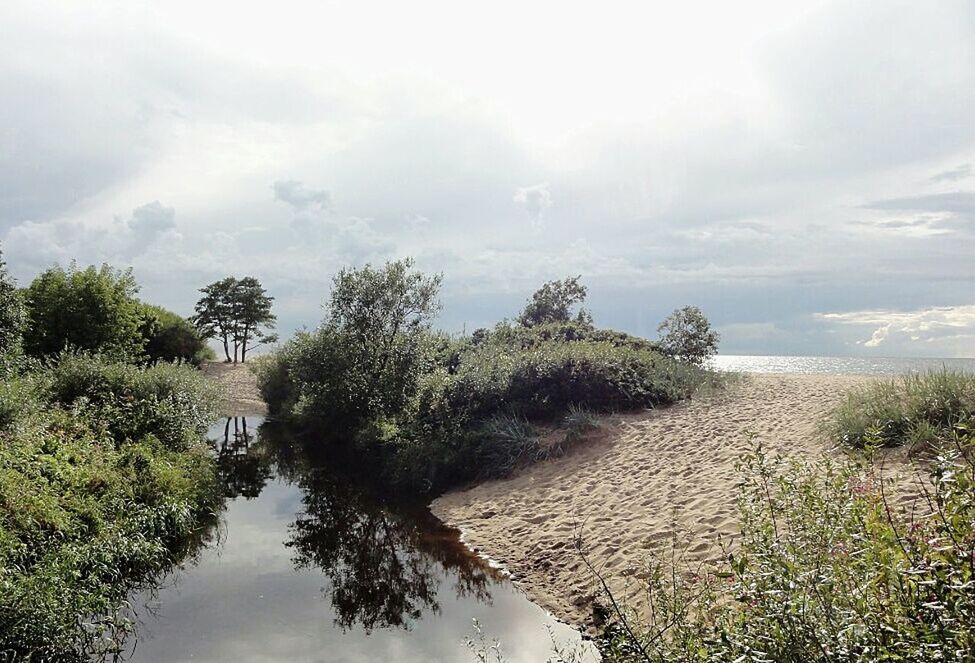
93 309
915 410
169 337
365 360
104 478
238 312
553 302
172 403
431 411
578 421
826 570
687 335
12 313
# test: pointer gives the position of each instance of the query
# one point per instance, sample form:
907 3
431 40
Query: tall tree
87 309
238 312
553 302
378 320
254 321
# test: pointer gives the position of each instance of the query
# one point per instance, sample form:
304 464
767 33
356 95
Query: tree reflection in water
244 471
385 561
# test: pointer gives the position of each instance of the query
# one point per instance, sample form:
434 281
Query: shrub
920 409
172 403
91 309
12 313
169 337
687 335
102 486
826 570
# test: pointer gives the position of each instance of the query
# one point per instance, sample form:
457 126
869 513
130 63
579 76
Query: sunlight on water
836 365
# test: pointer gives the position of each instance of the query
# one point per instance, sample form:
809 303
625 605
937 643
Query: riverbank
666 471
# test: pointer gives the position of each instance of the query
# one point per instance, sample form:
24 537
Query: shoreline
654 476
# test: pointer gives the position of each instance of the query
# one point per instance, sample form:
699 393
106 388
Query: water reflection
311 565
384 565
244 473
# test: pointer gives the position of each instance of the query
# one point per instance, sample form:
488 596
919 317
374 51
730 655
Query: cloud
961 172
956 202
147 224
39 244
301 197
536 200
929 325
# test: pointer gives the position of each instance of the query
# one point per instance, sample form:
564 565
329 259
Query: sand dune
674 466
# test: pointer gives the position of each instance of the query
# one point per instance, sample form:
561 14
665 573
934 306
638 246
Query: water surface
307 566
837 365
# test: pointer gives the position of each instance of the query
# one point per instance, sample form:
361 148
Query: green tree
170 337
381 317
92 309
253 319
238 313
12 313
553 302
687 335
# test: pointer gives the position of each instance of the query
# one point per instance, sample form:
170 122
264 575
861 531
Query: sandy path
672 463
239 383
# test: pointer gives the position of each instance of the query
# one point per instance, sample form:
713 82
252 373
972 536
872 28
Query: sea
837 365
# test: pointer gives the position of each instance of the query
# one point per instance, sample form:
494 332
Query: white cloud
536 200
301 197
945 324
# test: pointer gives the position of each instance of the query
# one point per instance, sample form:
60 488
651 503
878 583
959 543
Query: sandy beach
646 474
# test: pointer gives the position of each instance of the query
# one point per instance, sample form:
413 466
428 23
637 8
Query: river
305 564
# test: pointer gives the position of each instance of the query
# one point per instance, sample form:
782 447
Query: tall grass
916 410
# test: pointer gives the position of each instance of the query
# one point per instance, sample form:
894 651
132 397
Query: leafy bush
91 309
172 403
12 313
553 302
425 407
919 409
687 335
104 478
826 571
169 337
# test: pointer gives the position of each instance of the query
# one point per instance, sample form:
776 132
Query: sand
652 471
239 384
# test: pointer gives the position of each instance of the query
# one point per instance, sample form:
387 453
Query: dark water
837 365
306 566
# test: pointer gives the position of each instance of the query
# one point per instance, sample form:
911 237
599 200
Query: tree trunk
243 350
226 348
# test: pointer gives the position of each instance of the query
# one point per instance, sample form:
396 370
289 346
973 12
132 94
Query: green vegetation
83 309
825 570
104 478
238 313
12 314
687 335
172 338
96 310
432 411
919 410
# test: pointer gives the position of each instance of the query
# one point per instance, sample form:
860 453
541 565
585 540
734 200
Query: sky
803 172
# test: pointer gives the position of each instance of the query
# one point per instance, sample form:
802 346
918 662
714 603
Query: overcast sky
805 175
